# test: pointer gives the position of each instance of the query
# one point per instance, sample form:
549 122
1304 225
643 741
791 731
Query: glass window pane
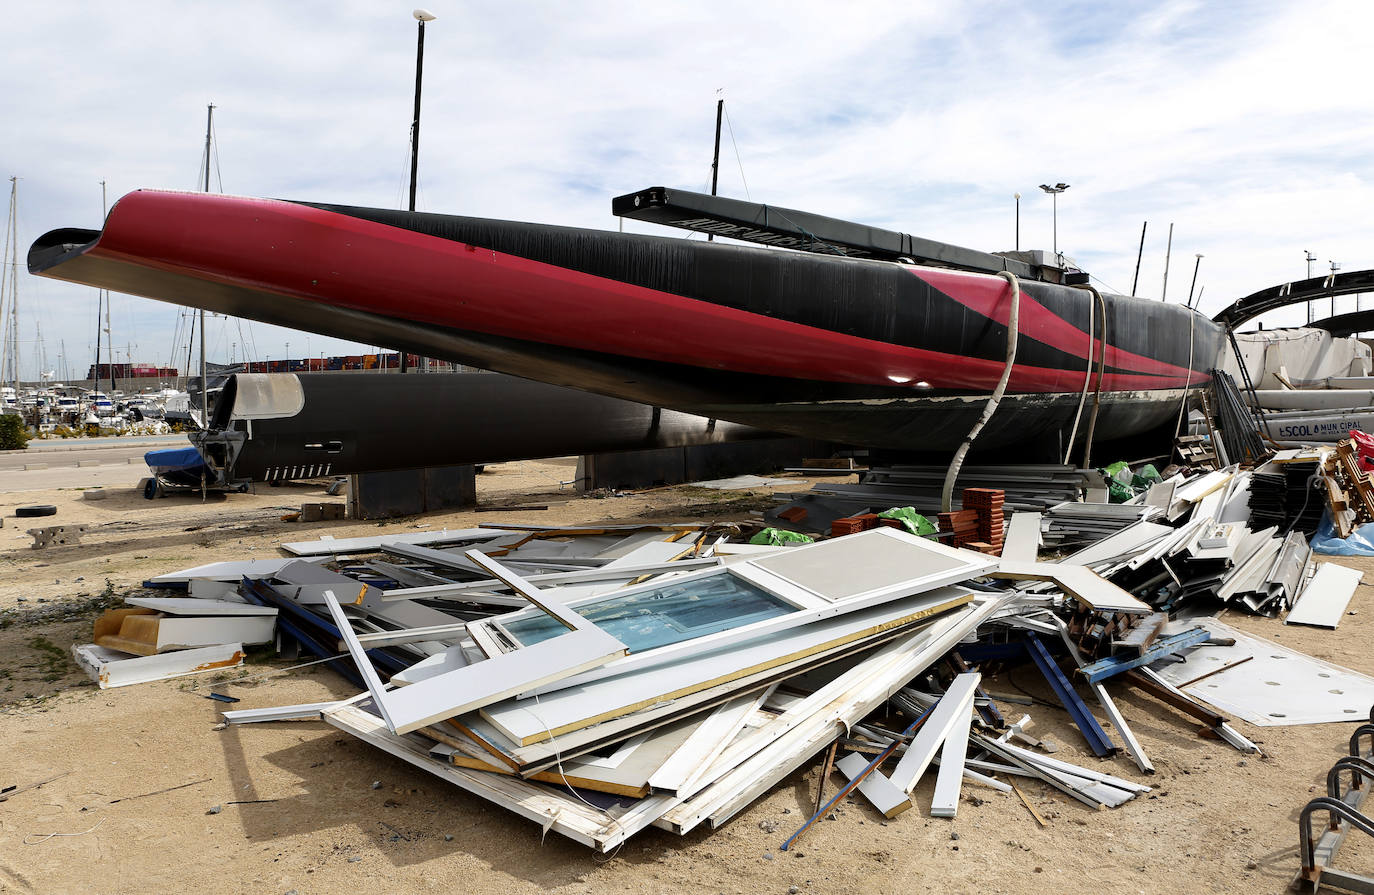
668 614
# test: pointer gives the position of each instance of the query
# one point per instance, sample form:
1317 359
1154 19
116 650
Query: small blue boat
181 467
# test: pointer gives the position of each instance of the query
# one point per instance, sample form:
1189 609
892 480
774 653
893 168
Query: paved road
147 442
80 464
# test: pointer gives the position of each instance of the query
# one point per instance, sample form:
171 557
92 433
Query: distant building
130 371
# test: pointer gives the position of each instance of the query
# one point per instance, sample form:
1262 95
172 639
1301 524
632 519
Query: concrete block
409 492
56 536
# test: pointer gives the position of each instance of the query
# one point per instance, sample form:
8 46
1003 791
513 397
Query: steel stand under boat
853 351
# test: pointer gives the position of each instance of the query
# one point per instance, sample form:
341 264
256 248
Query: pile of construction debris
598 681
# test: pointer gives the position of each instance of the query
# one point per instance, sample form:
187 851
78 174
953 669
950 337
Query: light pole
1196 265
1054 192
1310 258
1017 197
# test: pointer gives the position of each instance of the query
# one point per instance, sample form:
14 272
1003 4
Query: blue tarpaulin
173 459
1325 542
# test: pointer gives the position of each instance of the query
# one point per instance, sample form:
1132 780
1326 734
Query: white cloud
1244 124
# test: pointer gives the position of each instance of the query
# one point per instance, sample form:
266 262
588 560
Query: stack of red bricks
986 503
963 523
852 524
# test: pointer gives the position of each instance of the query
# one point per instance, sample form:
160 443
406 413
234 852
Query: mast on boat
102 306
204 383
9 291
715 157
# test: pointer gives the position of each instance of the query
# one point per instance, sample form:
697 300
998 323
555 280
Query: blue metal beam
1165 646
1097 738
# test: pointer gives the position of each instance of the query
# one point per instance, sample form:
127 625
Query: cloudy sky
1246 125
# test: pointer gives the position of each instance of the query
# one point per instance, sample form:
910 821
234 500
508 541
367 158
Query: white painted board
1023 537
194 606
228 571
1277 687
1322 603
176 633
943 718
876 787
111 668
949 779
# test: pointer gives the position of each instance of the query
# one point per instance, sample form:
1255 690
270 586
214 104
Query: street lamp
1017 197
1054 192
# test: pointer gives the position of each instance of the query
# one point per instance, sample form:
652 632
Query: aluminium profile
944 717
743 784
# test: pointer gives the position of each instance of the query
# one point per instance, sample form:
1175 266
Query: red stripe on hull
343 261
989 297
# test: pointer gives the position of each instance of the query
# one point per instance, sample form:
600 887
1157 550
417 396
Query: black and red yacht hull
854 351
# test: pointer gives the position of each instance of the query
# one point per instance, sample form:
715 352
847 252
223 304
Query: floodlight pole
1054 192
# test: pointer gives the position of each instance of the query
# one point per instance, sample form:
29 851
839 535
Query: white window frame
811 605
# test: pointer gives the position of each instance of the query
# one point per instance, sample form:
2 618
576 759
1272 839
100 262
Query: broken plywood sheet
1276 686
1322 603
110 668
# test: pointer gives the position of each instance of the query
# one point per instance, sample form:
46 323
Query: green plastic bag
1118 492
779 537
1119 471
912 520
1147 476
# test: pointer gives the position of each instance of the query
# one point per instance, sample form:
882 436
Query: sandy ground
298 810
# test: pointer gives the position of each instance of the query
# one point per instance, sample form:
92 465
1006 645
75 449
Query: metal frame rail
1343 814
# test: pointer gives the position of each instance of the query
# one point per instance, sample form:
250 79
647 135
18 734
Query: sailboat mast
12 237
715 158
109 333
204 383
99 299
